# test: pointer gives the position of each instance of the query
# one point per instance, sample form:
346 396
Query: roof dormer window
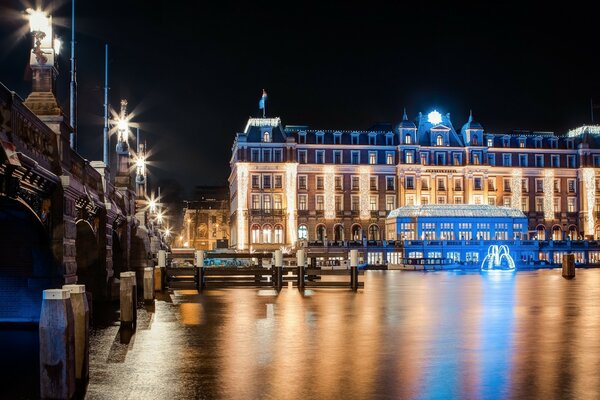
439 141
266 137
407 139
320 136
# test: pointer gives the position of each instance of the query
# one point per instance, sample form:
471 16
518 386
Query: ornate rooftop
456 210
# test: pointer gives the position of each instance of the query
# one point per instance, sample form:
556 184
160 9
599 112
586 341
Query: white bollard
148 284
353 258
162 259
127 298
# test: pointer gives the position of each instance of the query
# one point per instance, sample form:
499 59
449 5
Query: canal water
407 335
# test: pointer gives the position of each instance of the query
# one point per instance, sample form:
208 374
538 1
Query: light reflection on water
412 335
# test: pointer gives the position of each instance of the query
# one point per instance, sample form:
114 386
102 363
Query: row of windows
410 156
268 233
408 138
372 157
478 182
390 182
354 138
269 181
274 202
504 201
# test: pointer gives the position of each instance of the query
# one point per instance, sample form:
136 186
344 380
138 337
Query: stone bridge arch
27 264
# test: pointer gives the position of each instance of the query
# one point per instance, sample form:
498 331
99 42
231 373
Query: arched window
356 232
302 232
267 233
474 141
338 232
439 141
321 232
266 136
255 234
373 232
573 235
541 232
407 139
278 234
557 233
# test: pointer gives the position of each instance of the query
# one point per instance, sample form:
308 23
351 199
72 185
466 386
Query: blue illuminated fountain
498 258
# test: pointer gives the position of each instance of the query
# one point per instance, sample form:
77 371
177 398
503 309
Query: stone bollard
568 266
81 317
301 268
57 345
354 270
162 263
148 285
277 270
199 272
126 298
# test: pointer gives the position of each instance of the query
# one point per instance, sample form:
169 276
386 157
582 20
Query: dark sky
193 71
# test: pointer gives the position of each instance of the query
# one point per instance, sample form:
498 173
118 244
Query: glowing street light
40 25
57 45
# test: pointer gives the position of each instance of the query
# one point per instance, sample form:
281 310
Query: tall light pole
73 83
105 136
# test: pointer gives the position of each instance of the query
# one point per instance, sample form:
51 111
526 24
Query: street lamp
41 26
123 130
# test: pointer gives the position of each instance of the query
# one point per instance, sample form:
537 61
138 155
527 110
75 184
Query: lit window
302 232
267 233
407 139
389 158
266 136
320 202
372 157
439 141
278 234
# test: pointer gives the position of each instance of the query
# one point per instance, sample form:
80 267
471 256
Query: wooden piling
354 270
148 285
126 298
81 319
277 270
57 345
568 266
300 262
200 272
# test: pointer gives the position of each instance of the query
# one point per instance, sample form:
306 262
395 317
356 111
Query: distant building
206 219
290 183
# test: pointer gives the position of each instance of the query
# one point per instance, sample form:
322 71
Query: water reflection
407 335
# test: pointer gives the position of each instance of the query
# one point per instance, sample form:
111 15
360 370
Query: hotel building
291 182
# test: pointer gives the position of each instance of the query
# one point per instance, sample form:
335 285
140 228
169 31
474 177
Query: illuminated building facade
289 183
206 220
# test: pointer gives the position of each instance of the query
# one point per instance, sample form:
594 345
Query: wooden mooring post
200 271
57 345
568 266
128 299
300 261
354 270
81 320
277 270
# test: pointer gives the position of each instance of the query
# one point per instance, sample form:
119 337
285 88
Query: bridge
63 219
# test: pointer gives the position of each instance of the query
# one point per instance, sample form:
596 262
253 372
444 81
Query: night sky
194 71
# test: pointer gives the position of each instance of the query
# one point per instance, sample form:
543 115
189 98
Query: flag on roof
263 100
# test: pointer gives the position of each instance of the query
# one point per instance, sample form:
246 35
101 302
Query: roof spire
404 116
471 115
